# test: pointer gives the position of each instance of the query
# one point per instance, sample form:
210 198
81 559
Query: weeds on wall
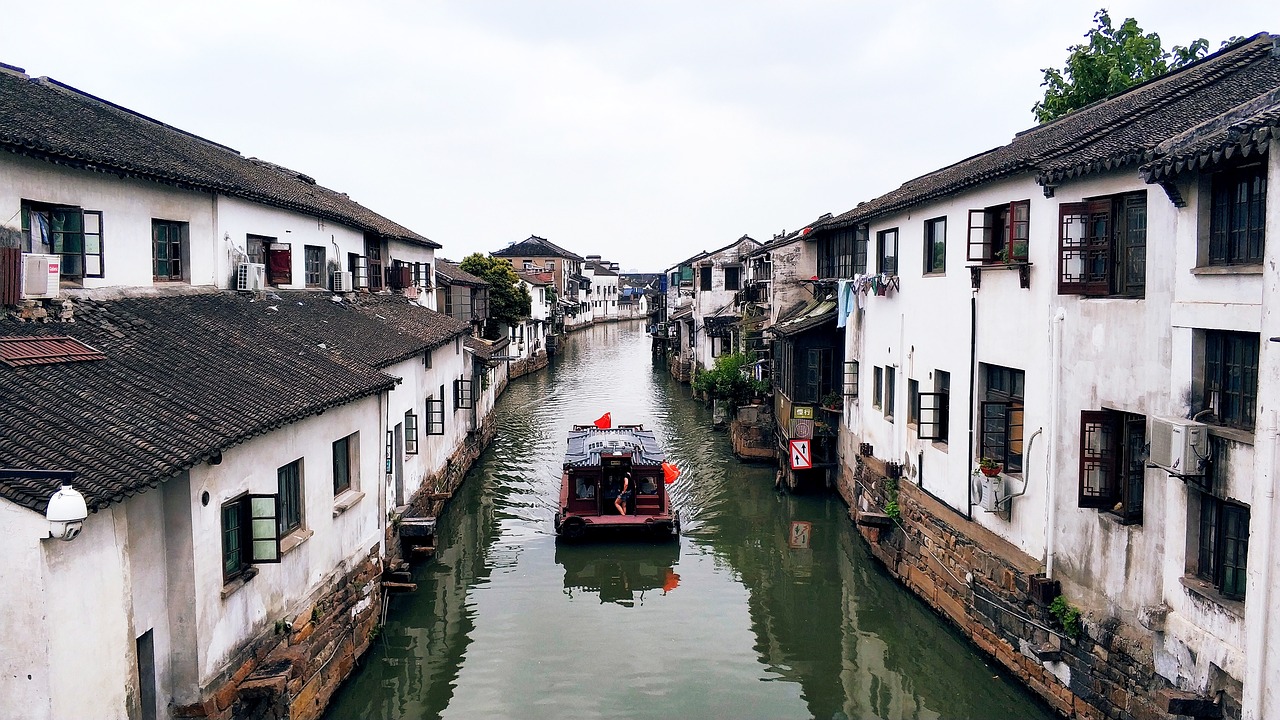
1068 616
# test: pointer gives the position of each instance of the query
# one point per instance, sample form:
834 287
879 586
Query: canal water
728 622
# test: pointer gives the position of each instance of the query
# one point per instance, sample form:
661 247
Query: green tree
1113 59
509 301
729 379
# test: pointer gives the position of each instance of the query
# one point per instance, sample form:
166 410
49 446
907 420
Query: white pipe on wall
1051 471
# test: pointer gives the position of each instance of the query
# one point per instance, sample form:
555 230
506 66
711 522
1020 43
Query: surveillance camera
66 513
67 530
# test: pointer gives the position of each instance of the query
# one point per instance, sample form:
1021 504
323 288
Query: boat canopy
585 446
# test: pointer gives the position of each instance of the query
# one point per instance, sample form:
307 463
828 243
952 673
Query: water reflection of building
619 573
414 667
828 618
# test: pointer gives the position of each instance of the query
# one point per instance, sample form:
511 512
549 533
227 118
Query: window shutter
93 266
279 265
812 375
462 396
360 271
1084 248
932 422
980 236
264 538
851 378
435 416
390 449
1018 231
411 433
995 431
1099 459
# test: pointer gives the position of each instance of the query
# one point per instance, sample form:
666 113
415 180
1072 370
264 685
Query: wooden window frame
313 267
1237 215
344 470
935 246
704 278
850 380
290 516
1000 417
887 262
1231 357
999 229
890 391
168 255
1223 545
1112 463
1102 246
374 267
935 410
877 387
736 272
933 415
410 433
81 249
434 416
913 402
464 394
255 533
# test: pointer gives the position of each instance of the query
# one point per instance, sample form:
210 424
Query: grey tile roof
188 376
1121 131
1245 130
48 120
534 246
812 314
455 275
586 444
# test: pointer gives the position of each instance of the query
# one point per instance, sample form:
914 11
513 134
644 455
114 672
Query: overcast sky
641 131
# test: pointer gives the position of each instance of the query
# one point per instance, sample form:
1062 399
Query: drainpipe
1051 474
973 380
1257 650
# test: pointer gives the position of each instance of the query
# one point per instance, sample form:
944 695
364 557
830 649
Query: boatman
624 495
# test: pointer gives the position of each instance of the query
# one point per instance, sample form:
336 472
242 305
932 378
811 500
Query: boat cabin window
585 488
647 486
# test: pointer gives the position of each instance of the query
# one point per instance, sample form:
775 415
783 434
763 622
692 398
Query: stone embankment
997 596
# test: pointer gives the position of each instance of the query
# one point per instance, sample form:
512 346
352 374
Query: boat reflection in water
620 573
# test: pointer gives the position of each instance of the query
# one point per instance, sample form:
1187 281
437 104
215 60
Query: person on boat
623 495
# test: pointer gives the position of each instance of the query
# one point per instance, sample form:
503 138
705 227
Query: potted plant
833 401
989 467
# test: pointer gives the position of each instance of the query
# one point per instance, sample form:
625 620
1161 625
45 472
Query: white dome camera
66 513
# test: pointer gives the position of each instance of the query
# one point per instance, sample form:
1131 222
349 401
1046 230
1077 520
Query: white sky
641 131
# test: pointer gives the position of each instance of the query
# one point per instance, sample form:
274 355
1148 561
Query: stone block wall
991 591
292 668
520 368
436 489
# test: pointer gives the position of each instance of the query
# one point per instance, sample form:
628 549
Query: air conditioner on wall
1179 446
251 277
993 492
40 276
342 281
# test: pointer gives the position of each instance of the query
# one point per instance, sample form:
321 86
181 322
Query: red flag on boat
670 472
605 422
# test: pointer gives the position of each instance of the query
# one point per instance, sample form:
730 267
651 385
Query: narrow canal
729 622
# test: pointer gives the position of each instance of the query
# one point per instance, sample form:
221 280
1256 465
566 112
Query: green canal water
728 622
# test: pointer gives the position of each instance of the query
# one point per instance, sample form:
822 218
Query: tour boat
595 465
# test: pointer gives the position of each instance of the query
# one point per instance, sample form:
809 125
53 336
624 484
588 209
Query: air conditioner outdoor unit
1179 446
342 281
40 276
993 492
251 277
